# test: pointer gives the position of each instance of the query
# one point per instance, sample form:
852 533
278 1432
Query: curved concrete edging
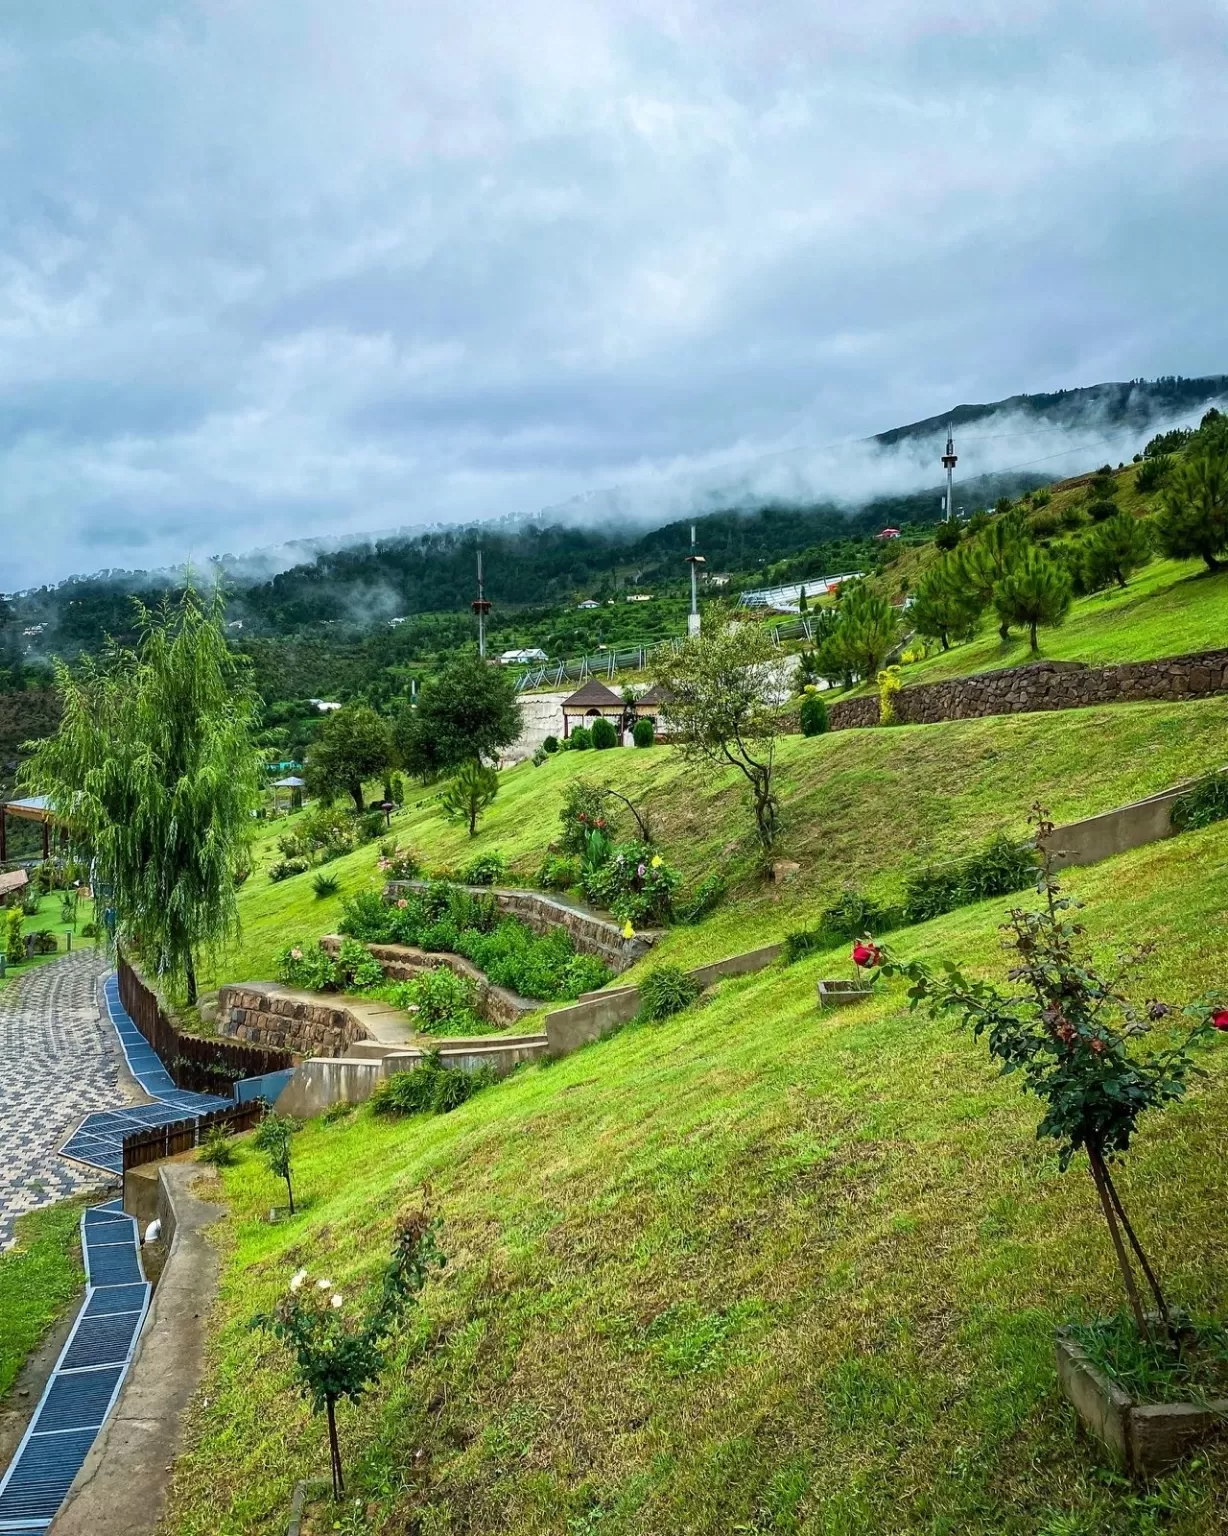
121 1488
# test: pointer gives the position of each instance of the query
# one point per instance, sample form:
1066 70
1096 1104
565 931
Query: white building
522 658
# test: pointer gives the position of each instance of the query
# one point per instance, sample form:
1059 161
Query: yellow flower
628 930
656 861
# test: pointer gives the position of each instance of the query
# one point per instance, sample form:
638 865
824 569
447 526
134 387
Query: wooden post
46 842
3 819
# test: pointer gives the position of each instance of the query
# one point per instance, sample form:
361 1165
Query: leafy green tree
469 710
153 768
866 628
723 709
1114 550
340 1349
470 793
944 604
274 1138
1193 517
1037 591
354 744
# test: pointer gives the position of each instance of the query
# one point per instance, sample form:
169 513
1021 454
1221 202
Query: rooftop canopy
592 695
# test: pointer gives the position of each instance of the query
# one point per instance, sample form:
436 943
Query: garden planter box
835 994
1144 1438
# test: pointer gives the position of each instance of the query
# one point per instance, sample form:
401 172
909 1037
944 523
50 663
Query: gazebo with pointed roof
589 700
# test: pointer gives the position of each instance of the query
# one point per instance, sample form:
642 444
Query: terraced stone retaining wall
1044 685
266 1014
592 933
402 962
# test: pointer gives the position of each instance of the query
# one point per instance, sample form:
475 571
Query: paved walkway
59 1061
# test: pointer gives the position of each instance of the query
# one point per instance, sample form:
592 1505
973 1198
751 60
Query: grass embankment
48 916
1171 607
860 807
755 1269
39 1277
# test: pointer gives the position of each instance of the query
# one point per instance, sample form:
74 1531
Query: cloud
297 270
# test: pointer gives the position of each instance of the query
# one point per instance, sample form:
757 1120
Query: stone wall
1044 685
591 932
265 1014
401 962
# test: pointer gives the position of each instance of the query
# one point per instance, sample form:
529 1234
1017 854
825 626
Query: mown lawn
859 807
48 916
39 1278
755 1269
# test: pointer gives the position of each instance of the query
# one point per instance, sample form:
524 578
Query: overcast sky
276 268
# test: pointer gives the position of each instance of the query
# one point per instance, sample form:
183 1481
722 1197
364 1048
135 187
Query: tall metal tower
693 560
481 607
949 460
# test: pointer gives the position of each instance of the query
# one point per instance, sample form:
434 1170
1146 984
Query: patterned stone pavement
59 1060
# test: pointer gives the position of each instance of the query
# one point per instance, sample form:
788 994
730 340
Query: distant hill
594 547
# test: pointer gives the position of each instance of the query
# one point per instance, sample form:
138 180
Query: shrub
636 884
580 740
644 733
539 756
444 1000
1101 511
14 948
888 687
604 735
813 714
999 868
91 931
217 1148
708 895
848 918
1043 525
285 869
399 863
325 885
583 810
486 869
369 825
356 968
442 934
431 1089
1041 498
1207 802
550 744
306 966
558 872
45 942
535 965
367 916
666 990
30 904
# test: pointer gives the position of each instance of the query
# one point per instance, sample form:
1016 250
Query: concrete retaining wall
1044 685
591 932
1129 826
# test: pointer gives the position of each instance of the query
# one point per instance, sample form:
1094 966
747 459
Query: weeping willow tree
154 769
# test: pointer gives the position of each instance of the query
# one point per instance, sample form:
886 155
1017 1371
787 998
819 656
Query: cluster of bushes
322 835
311 967
664 991
443 1003
398 863
446 918
431 1088
1001 867
632 881
485 869
600 737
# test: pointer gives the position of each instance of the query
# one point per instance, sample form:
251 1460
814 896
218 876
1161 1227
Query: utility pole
481 607
693 560
949 460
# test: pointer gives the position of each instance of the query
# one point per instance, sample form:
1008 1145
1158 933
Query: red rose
1220 1018
865 954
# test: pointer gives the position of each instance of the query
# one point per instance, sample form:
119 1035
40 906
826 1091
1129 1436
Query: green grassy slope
39 1277
859 807
756 1269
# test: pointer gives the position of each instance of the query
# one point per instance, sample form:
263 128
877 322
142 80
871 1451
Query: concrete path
59 1060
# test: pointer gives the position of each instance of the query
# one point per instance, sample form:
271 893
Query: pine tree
990 557
866 629
1037 591
1114 550
470 792
1193 519
944 603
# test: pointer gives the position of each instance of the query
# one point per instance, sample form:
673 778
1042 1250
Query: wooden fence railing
197 1064
182 1135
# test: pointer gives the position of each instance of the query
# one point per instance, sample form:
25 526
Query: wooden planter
837 994
1144 1438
